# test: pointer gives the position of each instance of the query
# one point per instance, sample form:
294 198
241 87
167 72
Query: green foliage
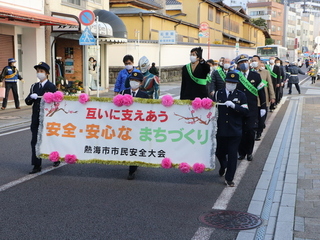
259 22
269 41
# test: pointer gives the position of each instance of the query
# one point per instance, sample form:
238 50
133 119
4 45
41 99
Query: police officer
10 74
232 106
34 98
250 83
293 71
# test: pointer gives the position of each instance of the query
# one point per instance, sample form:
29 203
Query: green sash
264 82
271 72
200 81
245 82
222 73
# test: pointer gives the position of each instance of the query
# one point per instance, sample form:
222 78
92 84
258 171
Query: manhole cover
232 220
8 117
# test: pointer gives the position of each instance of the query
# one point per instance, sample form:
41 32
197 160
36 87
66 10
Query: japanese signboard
141 134
167 37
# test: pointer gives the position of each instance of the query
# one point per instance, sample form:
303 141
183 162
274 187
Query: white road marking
15 131
28 177
203 233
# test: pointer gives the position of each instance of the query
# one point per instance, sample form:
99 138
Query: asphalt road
93 201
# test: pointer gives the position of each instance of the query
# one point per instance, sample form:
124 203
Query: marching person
259 67
10 74
232 106
293 76
135 81
279 63
275 75
218 77
251 84
34 98
124 74
195 76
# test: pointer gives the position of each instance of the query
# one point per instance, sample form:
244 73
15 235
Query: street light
237 46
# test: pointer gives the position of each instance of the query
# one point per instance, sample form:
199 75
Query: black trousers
261 122
228 146
297 87
250 123
34 130
13 86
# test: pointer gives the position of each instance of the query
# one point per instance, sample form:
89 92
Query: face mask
129 67
226 65
134 84
193 59
231 86
277 64
212 69
243 66
221 64
271 61
254 64
262 68
41 76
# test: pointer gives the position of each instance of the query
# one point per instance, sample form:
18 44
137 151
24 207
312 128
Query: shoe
18 107
222 172
131 176
249 157
35 170
229 183
258 137
3 108
241 157
271 110
56 164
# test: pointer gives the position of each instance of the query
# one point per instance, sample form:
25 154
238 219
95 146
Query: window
76 2
273 28
257 13
279 28
218 17
210 13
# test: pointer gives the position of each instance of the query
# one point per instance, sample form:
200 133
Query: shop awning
11 14
235 38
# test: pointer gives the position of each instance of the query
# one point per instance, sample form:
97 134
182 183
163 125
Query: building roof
173 2
146 4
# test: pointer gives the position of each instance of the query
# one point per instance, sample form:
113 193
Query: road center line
15 131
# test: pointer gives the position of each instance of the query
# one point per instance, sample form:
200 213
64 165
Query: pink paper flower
166 163
71 159
54 156
118 100
48 97
199 167
206 103
58 96
167 100
196 103
184 167
83 98
127 100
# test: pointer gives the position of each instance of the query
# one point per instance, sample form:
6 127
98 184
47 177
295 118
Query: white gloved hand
230 104
262 112
34 96
1 84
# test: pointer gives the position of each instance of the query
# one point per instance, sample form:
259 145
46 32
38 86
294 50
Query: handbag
2 92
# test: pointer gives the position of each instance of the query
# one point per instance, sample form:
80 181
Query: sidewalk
287 196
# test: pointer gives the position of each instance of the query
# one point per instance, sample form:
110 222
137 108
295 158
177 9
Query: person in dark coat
195 76
276 80
293 71
34 98
10 75
154 70
282 69
218 77
251 84
135 81
232 106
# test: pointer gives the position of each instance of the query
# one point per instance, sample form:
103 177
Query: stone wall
168 74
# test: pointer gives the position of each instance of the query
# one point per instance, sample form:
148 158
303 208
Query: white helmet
144 64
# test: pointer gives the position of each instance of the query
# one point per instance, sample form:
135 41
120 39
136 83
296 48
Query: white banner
142 134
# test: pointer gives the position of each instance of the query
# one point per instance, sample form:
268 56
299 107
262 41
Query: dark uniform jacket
255 79
48 87
189 88
230 120
277 80
140 94
294 71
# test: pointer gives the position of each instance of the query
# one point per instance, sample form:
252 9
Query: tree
263 24
269 41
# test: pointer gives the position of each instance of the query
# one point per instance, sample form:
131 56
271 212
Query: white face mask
226 65
193 59
134 84
262 68
277 64
41 76
212 68
231 86
221 63
129 67
271 61
254 64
